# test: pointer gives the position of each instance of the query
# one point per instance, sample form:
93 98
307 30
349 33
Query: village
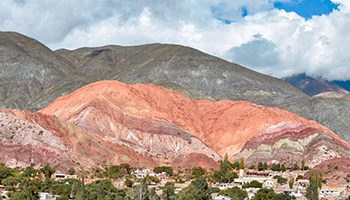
221 185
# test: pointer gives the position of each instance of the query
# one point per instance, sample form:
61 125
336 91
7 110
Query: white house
221 197
330 192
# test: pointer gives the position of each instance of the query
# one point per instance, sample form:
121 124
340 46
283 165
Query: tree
150 179
267 194
198 190
253 184
278 167
241 164
234 165
283 167
125 169
28 193
225 173
141 192
262 166
5 172
30 171
169 192
295 167
252 167
71 171
300 177
11 183
166 169
47 170
128 182
197 172
280 179
113 172
103 189
235 193
291 183
315 180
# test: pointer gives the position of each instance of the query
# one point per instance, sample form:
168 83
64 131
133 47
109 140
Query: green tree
295 167
30 171
125 169
234 165
252 167
253 184
113 172
267 194
28 193
241 164
197 172
235 193
166 169
141 191
225 173
198 190
262 166
300 177
71 171
150 179
11 183
5 172
291 183
103 189
47 170
280 179
128 182
169 191
315 180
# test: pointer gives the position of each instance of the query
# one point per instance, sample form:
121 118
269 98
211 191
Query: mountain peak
316 86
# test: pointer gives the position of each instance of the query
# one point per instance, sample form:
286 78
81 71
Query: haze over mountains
107 118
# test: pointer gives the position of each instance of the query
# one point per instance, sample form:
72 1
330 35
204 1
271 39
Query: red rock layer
109 122
225 126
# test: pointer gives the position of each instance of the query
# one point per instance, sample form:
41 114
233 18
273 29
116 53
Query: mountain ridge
316 86
195 74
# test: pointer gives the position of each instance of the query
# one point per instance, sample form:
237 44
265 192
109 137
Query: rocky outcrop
291 143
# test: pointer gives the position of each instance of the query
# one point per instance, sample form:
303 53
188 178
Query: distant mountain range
32 76
319 87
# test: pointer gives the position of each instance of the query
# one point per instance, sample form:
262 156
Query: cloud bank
248 32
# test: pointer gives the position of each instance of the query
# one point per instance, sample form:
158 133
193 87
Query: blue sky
307 8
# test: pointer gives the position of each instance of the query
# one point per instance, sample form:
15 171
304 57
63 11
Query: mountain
31 75
196 74
199 75
146 125
316 86
189 71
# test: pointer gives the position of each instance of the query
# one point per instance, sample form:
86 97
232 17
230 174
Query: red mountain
146 125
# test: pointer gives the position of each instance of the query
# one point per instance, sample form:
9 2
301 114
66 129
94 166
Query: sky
275 37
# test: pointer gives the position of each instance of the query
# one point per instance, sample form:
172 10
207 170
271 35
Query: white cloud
317 46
